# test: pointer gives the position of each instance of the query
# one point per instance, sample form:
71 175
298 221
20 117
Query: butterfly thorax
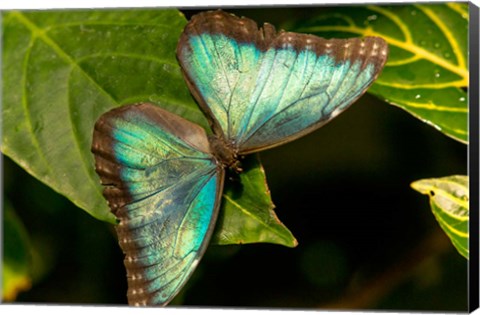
225 152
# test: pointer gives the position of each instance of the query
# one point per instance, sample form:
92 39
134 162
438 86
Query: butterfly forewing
309 81
262 89
163 185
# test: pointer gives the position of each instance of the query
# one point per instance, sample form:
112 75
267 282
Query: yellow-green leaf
449 202
427 70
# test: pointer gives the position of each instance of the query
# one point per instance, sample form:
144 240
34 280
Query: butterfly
163 175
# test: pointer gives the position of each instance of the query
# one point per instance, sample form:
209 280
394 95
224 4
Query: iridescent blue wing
164 186
260 88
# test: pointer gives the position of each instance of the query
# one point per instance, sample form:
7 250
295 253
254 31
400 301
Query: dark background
366 239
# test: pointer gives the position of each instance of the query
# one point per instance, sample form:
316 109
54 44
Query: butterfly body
163 175
224 151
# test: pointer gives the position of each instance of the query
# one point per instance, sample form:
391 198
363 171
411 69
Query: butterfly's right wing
164 187
260 88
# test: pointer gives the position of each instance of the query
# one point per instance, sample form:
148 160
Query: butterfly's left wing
164 186
260 88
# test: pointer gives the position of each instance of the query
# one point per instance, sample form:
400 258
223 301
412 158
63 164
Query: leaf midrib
39 33
450 38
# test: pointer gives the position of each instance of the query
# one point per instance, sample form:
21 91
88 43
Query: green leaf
449 202
63 69
247 214
427 70
16 275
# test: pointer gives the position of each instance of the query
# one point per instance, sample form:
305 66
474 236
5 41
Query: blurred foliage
344 193
16 255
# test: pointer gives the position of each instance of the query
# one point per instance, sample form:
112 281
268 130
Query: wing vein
254 105
301 98
254 130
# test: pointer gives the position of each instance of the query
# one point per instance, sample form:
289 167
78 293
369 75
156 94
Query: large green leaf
449 202
16 275
63 69
427 70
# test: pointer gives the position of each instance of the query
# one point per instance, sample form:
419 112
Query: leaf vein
457 7
451 228
433 86
26 107
103 23
248 213
403 61
126 55
431 106
448 34
395 19
38 33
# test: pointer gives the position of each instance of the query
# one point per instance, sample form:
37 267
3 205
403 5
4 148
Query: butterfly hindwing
163 185
261 88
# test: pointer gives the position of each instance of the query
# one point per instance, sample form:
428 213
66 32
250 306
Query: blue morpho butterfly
164 176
